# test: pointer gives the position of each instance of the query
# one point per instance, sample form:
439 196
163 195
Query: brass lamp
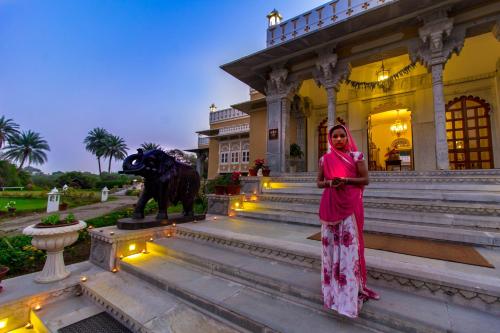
274 18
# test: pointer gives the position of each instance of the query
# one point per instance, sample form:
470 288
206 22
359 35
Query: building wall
258 135
214 148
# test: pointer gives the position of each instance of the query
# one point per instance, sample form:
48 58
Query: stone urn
53 240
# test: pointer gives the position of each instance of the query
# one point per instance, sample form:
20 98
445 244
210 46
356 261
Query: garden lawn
24 204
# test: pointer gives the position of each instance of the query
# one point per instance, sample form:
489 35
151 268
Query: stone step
435 206
461 284
488 175
393 227
471 196
297 282
252 309
57 315
143 307
389 213
427 186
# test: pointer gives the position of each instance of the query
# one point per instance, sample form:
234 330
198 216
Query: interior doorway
390 141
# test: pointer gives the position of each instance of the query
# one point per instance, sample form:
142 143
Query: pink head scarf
338 203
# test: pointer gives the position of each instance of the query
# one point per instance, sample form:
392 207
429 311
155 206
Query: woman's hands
336 182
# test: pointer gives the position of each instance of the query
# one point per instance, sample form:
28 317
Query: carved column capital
330 72
278 86
496 30
438 40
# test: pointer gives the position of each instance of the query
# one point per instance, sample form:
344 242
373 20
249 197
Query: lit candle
83 279
114 270
37 307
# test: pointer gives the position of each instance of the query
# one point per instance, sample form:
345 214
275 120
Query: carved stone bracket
496 30
278 86
439 40
330 72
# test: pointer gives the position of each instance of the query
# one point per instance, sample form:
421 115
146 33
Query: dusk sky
144 70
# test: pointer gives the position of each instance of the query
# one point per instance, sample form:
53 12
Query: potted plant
221 183
53 234
3 271
266 170
234 187
258 165
11 207
252 172
54 220
295 155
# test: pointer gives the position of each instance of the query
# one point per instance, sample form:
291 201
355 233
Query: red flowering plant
235 178
259 163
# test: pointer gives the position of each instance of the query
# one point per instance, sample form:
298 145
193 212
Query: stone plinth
251 184
110 243
224 204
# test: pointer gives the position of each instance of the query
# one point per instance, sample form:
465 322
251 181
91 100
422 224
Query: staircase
460 206
251 273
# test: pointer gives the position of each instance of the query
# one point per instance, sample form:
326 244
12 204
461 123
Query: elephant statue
166 180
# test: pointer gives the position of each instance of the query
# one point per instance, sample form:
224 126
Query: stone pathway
15 226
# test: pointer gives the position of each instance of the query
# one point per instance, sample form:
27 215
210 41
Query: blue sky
144 70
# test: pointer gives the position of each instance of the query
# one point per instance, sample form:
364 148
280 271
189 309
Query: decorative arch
468 132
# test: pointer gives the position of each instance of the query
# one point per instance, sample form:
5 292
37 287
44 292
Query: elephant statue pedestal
150 221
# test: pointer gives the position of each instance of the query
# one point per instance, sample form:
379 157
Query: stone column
439 40
278 101
331 93
329 74
442 160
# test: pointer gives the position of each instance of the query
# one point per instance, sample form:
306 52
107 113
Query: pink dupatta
338 203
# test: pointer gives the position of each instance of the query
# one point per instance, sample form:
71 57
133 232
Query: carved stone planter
53 240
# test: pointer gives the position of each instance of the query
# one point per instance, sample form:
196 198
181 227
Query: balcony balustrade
320 17
203 141
243 128
226 114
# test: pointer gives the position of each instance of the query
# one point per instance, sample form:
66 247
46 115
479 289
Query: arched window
468 132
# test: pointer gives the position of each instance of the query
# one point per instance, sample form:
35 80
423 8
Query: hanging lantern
382 73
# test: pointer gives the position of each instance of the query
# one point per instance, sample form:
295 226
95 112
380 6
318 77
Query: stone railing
234 129
329 14
203 141
226 114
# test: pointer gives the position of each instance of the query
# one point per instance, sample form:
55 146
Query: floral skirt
340 279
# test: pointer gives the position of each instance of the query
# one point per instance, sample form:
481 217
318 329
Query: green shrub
10 176
19 255
77 179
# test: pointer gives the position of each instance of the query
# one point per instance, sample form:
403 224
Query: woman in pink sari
343 175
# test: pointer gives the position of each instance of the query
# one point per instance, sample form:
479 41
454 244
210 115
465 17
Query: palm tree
29 146
8 128
150 146
95 143
115 148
